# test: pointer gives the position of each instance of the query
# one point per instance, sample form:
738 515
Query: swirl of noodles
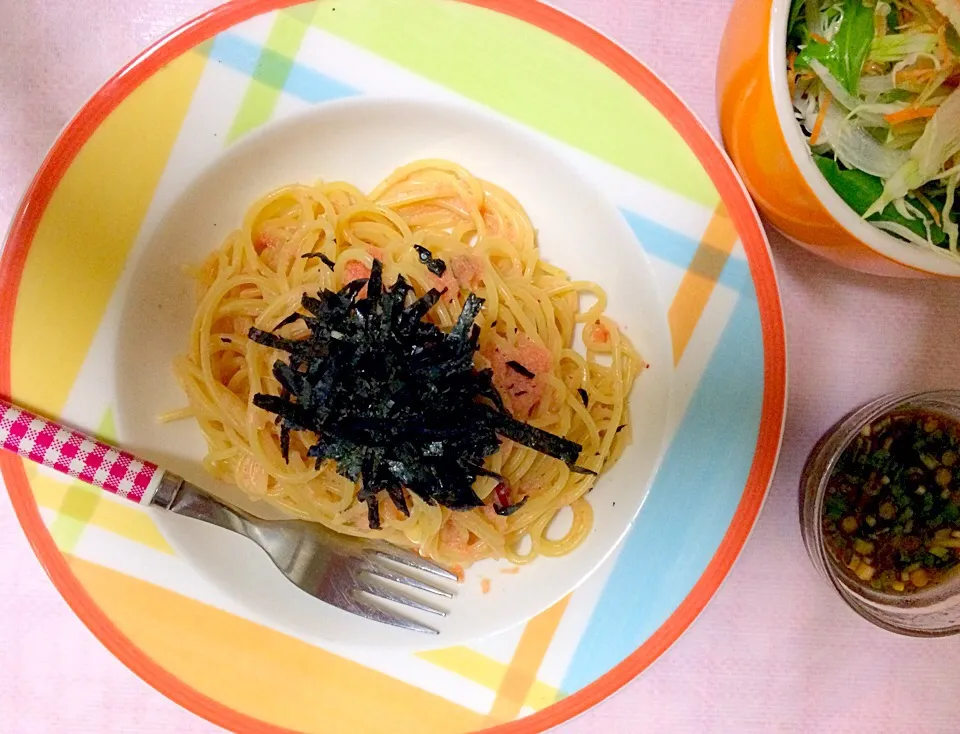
531 316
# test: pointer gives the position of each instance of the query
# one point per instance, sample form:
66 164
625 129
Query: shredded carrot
930 13
928 205
512 570
879 25
457 570
818 38
485 586
910 113
917 75
821 115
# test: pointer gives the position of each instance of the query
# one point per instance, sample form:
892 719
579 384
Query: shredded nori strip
533 437
323 258
584 396
434 264
393 400
288 320
517 367
510 509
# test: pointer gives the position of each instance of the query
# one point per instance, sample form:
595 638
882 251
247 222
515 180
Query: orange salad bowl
768 147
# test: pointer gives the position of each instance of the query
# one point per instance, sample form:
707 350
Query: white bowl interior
904 252
361 141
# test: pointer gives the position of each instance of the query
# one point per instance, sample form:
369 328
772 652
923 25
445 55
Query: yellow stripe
261 672
272 70
124 519
467 663
487 672
542 695
700 279
86 233
527 658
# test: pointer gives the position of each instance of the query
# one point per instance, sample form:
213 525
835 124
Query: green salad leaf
859 190
953 39
898 46
845 53
796 26
896 95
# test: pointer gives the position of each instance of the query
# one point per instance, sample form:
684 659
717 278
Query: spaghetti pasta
531 323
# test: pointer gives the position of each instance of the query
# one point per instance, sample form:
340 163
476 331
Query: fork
339 569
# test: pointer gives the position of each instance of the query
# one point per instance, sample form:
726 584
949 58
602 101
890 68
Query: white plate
361 141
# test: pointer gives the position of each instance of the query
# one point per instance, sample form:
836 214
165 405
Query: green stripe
80 501
529 75
273 68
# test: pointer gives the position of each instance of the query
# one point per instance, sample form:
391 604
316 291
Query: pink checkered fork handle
77 455
335 568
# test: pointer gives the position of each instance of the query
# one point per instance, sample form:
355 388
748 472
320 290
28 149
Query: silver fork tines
394 595
412 560
341 570
359 605
414 583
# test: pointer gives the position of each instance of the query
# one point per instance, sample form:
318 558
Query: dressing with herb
891 512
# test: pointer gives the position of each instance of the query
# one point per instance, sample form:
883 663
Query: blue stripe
678 249
302 81
312 86
690 505
236 53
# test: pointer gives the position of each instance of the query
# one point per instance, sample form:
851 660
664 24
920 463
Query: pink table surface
776 651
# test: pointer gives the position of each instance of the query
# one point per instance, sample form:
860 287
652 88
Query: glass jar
928 612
